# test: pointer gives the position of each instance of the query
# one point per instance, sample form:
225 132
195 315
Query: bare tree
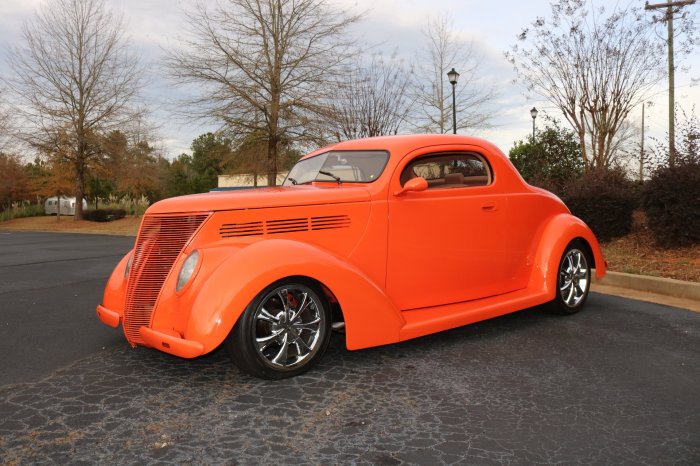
625 146
443 51
373 101
265 66
595 66
6 131
74 78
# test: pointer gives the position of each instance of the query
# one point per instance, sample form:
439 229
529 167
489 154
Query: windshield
339 166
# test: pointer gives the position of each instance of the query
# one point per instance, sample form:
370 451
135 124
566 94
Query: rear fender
557 234
370 317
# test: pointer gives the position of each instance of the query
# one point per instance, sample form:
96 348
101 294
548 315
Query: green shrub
671 202
117 213
605 200
550 161
103 215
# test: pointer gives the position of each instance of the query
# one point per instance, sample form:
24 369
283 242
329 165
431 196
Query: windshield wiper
293 180
335 177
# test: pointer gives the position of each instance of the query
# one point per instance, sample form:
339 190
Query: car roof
399 145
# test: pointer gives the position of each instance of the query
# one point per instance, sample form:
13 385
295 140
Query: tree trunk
582 142
600 156
272 161
80 169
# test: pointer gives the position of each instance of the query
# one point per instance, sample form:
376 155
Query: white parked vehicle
67 205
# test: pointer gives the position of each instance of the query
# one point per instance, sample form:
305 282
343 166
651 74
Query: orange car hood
261 198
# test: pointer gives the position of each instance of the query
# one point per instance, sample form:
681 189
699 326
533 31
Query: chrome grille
160 240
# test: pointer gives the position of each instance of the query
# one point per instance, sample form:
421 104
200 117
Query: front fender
115 290
556 235
370 317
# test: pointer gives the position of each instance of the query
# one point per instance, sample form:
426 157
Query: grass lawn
128 226
635 253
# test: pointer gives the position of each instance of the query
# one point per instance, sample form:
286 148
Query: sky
156 25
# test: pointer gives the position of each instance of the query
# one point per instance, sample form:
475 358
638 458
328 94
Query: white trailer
67 205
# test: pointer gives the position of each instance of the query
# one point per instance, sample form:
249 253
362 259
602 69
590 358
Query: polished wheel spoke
566 285
283 295
266 341
281 357
569 264
570 295
301 307
300 342
265 315
312 325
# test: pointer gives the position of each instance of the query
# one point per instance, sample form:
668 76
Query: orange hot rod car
390 238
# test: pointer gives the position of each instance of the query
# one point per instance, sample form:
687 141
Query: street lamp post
533 113
452 75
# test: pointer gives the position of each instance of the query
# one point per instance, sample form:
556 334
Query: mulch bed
637 253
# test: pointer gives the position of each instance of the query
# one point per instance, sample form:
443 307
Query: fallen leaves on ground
637 253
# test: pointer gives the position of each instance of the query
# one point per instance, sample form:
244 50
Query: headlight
187 270
127 269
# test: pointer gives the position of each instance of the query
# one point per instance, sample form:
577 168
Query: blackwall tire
283 332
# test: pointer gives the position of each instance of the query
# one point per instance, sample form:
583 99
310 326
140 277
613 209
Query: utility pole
671 87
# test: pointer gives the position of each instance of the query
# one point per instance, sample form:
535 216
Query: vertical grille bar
161 239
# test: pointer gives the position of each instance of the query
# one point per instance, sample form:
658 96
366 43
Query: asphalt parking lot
615 384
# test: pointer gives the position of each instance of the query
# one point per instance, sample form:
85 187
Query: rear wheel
573 281
283 332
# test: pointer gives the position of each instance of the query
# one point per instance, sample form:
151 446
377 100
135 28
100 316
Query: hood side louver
330 222
289 225
232 230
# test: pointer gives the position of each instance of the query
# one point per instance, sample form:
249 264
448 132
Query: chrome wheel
574 276
288 326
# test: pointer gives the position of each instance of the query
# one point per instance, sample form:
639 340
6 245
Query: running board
429 320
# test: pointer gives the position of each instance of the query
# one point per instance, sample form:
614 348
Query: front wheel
573 281
283 332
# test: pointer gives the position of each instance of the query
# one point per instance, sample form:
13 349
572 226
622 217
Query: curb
664 286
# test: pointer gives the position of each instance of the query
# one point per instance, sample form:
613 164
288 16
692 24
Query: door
447 244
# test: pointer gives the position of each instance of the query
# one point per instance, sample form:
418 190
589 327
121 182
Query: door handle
488 206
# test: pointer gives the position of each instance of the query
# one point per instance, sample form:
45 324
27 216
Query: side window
453 170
